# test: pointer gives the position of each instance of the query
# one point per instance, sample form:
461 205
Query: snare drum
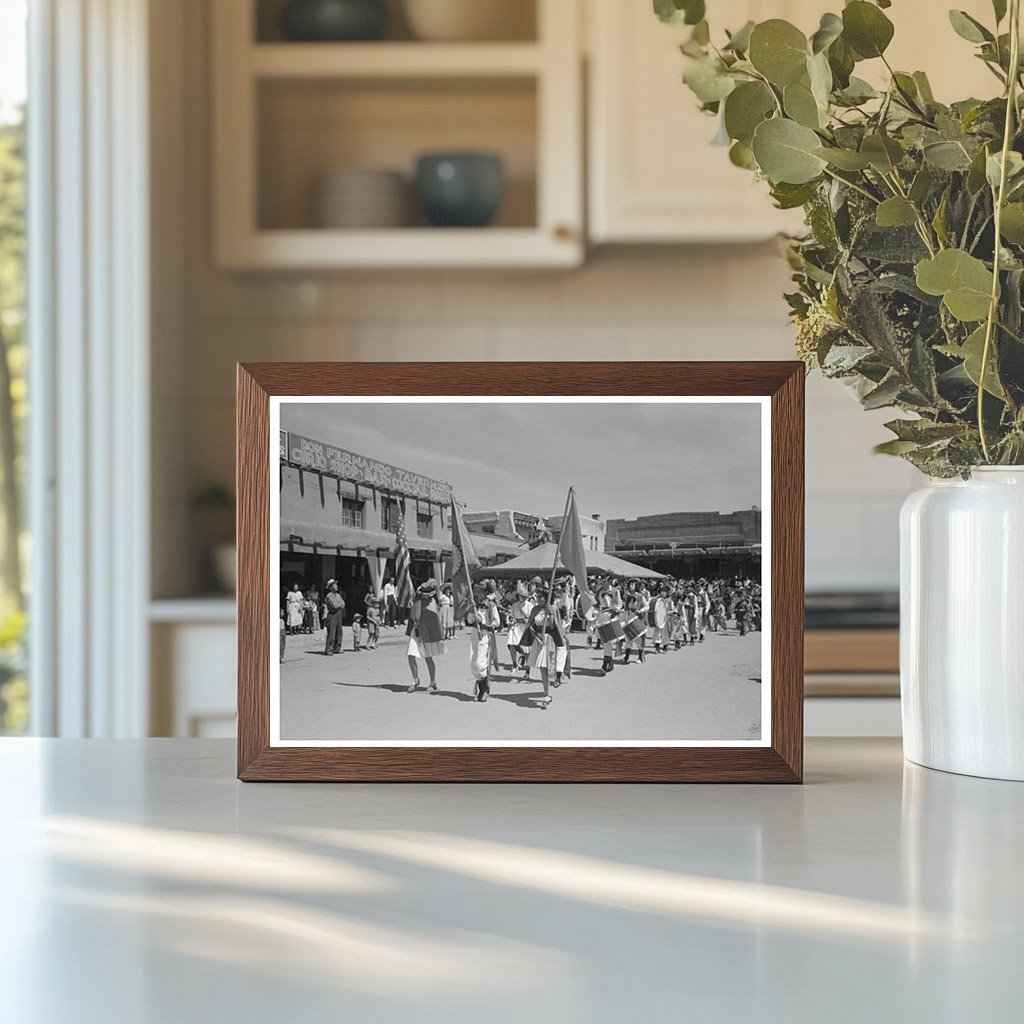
611 631
635 627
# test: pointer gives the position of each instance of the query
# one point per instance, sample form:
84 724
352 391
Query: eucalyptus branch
1000 199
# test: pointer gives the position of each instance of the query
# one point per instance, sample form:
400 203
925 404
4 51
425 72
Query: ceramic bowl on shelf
332 21
460 189
361 198
471 20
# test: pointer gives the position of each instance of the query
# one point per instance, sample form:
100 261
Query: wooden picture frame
779 760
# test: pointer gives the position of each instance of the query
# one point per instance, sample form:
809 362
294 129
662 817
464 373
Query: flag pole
558 546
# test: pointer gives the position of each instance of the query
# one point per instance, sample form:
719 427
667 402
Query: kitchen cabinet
653 175
287 113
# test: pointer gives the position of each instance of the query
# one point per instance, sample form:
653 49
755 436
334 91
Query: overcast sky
624 459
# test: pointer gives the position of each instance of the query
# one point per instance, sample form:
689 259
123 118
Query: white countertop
143 885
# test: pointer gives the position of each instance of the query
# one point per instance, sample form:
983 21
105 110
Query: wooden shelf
401 247
393 60
286 112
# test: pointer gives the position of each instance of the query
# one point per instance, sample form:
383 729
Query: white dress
295 602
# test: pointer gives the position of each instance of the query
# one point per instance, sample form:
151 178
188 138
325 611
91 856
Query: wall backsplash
718 302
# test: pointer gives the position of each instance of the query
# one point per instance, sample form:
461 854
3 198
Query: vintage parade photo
520 571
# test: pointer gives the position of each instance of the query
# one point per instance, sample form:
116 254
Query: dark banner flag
571 551
464 561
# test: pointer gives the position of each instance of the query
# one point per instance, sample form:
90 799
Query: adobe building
691 545
339 514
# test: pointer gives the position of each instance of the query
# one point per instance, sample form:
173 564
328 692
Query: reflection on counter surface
452 903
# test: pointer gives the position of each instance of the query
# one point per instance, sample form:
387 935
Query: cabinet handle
563 232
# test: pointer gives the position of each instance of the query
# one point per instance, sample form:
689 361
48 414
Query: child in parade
479 651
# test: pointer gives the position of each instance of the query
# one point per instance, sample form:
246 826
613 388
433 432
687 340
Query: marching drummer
657 620
609 626
587 611
637 602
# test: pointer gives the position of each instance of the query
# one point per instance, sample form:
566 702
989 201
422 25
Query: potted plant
908 289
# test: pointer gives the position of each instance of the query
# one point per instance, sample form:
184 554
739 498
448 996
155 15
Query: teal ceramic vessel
334 21
461 190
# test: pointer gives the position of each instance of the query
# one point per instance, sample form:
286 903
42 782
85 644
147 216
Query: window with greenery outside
14 707
909 279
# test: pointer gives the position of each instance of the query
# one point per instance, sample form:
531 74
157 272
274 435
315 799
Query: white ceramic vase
962 624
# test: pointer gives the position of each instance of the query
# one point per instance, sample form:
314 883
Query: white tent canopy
539 560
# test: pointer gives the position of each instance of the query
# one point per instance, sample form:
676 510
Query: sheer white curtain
89 343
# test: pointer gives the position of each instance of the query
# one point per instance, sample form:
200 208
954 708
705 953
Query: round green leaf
743 156
961 279
785 152
708 81
896 212
778 50
747 106
800 105
1012 226
866 29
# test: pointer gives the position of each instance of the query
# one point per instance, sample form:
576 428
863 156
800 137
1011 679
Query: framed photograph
520 572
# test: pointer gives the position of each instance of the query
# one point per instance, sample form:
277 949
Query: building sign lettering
304 451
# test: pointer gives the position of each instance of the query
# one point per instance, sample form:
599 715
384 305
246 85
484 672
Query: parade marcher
519 613
609 626
705 612
295 604
334 616
479 651
426 639
718 622
686 609
565 602
549 647
446 603
492 619
587 611
741 609
657 620
635 625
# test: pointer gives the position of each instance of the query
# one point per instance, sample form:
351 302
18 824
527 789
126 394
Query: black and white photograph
520 571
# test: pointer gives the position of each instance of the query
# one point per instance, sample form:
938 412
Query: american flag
403 587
